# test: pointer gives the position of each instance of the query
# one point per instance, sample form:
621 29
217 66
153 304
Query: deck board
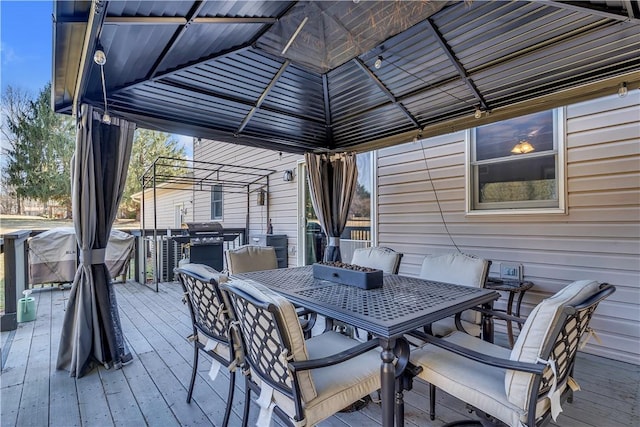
152 390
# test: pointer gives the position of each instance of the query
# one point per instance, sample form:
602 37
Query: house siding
166 199
598 238
281 202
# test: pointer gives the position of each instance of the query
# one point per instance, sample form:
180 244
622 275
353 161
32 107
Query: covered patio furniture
525 385
210 317
53 256
384 259
302 381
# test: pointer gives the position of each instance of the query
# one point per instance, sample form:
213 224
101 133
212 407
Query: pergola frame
202 176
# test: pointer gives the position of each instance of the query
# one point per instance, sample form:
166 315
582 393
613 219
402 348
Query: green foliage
41 144
148 145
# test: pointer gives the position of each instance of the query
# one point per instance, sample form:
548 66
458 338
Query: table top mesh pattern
400 296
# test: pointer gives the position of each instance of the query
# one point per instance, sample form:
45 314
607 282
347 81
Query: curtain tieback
334 241
92 256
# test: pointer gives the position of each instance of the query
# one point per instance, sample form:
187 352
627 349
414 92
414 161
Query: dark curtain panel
332 181
91 332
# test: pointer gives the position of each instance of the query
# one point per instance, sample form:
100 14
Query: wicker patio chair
525 385
302 381
210 317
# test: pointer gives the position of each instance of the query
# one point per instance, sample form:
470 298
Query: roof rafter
216 55
456 63
243 102
582 6
327 108
263 96
386 91
193 12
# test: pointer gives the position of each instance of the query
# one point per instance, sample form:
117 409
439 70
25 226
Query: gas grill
205 241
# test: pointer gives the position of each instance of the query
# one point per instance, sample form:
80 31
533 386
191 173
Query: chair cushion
459 269
205 271
337 386
535 333
380 258
221 349
475 383
251 258
293 330
446 326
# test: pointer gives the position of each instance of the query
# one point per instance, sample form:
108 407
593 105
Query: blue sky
26 32
25 44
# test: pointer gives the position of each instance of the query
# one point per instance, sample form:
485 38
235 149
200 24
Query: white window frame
221 201
518 208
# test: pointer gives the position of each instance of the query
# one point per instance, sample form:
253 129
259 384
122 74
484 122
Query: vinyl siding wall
165 206
598 238
281 200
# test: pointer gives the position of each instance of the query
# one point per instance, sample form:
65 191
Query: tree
361 203
148 145
41 144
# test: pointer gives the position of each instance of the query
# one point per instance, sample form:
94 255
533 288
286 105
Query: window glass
515 163
357 232
216 202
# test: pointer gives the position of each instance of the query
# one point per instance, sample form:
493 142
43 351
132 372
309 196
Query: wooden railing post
16 274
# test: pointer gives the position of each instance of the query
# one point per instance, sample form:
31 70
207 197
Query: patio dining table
401 305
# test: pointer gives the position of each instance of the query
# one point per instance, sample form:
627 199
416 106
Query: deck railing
144 268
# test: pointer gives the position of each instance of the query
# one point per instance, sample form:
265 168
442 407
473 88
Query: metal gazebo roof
339 75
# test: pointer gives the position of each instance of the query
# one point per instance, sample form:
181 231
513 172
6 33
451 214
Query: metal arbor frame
168 173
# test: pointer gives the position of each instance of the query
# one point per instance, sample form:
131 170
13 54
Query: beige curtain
332 182
91 332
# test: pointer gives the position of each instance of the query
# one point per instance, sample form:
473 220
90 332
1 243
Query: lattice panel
263 346
209 311
566 346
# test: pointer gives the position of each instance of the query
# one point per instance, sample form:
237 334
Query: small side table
513 287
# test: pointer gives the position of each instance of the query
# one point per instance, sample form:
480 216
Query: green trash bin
26 308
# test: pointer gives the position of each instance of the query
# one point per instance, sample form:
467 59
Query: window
517 165
216 202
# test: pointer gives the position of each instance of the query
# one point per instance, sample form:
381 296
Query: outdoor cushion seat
384 259
210 317
525 385
459 269
249 258
302 381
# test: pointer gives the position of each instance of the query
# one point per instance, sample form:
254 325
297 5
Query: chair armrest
533 368
499 314
334 359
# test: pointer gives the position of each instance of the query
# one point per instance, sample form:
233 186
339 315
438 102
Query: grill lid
204 227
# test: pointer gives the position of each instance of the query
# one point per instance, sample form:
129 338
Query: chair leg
432 402
247 402
232 386
194 372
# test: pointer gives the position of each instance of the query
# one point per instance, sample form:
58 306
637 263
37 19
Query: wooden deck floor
152 390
